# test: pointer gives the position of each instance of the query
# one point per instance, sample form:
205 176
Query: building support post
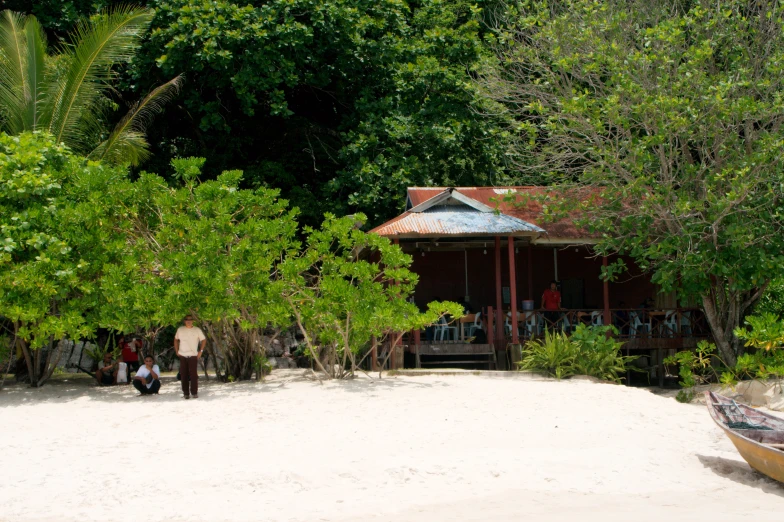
530 273
490 327
606 289
513 290
499 319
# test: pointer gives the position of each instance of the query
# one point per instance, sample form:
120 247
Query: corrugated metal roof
530 211
449 220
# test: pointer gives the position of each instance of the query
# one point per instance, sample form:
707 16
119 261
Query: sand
413 448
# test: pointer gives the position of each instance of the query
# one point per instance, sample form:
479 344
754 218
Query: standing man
551 302
189 344
130 355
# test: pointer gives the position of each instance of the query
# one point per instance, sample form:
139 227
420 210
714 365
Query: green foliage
590 350
703 366
555 355
340 103
209 249
767 331
599 353
664 118
53 208
66 94
685 396
772 301
348 287
696 367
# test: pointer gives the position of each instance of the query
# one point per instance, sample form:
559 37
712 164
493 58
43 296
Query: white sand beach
413 448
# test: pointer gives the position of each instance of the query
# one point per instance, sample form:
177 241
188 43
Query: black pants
132 366
189 375
144 390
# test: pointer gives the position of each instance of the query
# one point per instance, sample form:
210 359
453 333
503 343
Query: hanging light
517 250
423 253
485 250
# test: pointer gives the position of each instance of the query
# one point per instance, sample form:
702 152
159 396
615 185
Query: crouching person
107 371
147 379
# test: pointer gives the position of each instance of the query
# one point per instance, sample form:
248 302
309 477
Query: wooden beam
530 274
513 291
490 327
499 320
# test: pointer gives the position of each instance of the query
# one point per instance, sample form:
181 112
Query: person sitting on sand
107 371
147 379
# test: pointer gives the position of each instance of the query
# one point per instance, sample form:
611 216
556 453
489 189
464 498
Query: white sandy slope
423 448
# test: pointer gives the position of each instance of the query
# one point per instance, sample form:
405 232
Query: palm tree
65 93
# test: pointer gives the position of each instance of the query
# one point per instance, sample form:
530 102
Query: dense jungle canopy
341 104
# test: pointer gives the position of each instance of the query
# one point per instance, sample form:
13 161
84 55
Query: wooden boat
758 436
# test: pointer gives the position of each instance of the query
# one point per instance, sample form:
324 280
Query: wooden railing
632 323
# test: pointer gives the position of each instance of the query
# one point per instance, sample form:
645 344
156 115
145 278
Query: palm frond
13 55
117 147
97 44
35 73
129 147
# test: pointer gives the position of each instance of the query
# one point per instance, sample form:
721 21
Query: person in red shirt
551 303
130 355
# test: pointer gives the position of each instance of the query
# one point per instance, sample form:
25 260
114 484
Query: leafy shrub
767 331
554 355
703 366
599 354
589 351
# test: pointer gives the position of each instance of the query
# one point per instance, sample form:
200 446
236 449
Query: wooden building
472 245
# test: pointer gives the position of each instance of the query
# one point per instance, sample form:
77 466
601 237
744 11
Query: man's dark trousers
144 390
189 373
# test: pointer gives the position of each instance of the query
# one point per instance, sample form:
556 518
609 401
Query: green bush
599 353
555 355
589 351
703 366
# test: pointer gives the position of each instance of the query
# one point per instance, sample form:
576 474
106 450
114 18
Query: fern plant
554 355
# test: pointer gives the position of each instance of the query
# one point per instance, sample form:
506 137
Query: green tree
670 112
340 103
65 94
55 240
210 249
348 290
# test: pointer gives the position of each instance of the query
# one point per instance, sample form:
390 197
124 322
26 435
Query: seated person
147 379
107 371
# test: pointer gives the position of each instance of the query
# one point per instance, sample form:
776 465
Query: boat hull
767 461
760 448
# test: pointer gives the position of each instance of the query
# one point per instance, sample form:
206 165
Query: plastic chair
470 328
596 318
636 326
670 325
444 330
532 325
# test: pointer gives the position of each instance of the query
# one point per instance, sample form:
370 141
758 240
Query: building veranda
497 255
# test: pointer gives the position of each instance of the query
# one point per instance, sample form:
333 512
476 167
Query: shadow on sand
740 472
65 390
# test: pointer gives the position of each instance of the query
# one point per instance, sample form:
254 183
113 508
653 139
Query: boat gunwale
734 433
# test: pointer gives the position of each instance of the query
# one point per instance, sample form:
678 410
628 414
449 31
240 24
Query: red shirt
128 355
551 299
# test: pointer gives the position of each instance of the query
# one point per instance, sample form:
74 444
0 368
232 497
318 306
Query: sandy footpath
421 448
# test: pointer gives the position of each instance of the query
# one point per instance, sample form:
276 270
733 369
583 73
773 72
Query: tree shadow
64 390
740 472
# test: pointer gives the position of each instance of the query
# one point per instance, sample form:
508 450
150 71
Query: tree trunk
725 311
